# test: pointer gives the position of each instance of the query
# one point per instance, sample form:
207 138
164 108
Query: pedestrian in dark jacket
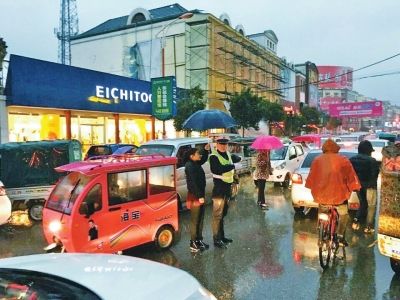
222 165
196 185
367 170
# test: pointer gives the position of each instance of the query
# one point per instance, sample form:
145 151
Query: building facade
46 101
197 48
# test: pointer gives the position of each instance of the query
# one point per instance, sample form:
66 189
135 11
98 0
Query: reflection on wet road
274 255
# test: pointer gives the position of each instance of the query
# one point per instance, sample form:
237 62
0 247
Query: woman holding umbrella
263 144
261 174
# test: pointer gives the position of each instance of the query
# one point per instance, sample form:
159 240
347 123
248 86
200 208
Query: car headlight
55 226
281 166
206 293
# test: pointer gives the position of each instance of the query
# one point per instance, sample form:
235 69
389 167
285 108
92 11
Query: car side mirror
292 156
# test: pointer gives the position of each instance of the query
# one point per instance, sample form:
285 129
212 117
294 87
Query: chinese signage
164 95
356 109
326 101
335 77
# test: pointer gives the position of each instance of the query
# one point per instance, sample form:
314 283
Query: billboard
335 77
356 109
326 101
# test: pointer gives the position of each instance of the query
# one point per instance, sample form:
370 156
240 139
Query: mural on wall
142 66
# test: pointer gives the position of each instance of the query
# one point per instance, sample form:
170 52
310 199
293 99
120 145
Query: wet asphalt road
274 255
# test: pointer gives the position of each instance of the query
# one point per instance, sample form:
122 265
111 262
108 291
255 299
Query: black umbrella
208 119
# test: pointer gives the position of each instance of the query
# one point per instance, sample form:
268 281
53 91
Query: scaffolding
223 62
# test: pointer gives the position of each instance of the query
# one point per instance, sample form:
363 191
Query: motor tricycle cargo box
27 170
113 203
389 207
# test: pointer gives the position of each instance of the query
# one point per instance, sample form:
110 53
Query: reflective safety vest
227 176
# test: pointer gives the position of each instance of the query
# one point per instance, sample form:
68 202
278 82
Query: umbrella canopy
266 142
308 138
208 119
123 150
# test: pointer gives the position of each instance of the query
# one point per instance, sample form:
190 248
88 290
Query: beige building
198 48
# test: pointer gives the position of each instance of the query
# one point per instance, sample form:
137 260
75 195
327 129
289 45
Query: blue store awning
37 83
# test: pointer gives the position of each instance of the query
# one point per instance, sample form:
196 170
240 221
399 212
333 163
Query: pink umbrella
266 142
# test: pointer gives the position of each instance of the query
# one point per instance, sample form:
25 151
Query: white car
5 205
94 276
301 196
284 161
178 148
378 146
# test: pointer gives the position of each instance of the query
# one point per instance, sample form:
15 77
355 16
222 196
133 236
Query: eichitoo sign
163 97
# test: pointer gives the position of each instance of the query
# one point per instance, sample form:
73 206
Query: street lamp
164 30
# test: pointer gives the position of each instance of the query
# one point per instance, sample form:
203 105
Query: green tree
3 53
272 112
311 117
245 109
185 107
333 123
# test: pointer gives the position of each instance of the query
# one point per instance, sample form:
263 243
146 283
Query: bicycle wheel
324 245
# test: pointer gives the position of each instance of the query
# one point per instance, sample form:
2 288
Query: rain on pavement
274 254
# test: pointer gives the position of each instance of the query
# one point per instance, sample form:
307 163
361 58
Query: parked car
284 161
301 196
177 148
94 276
5 205
107 149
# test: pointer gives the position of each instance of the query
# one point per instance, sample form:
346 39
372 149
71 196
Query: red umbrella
266 142
308 138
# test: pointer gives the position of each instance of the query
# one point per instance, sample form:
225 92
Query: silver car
301 196
95 276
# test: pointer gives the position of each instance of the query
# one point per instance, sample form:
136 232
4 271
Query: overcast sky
352 33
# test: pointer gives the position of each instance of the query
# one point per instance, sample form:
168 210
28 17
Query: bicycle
328 242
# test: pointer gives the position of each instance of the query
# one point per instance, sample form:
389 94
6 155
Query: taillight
296 178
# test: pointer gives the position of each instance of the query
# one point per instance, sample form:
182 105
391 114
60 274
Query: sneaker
227 240
356 224
203 246
263 206
194 247
369 230
343 242
220 244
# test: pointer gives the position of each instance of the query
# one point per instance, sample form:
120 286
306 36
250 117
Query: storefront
52 101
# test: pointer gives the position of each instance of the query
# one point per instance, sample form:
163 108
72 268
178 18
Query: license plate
389 246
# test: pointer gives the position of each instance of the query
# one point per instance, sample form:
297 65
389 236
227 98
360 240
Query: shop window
126 187
161 179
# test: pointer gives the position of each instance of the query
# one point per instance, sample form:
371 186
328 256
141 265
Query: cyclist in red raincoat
331 180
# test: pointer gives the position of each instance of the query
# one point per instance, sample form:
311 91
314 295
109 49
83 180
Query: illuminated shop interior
90 128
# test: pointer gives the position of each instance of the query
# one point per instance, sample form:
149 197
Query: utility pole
68 28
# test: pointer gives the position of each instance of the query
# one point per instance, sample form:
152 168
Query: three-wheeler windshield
66 192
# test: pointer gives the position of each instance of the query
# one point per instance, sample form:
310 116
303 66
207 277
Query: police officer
223 168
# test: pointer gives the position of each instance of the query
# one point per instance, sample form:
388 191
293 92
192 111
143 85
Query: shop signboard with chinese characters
164 96
356 109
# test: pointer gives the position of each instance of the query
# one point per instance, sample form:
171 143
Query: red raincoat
332 179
